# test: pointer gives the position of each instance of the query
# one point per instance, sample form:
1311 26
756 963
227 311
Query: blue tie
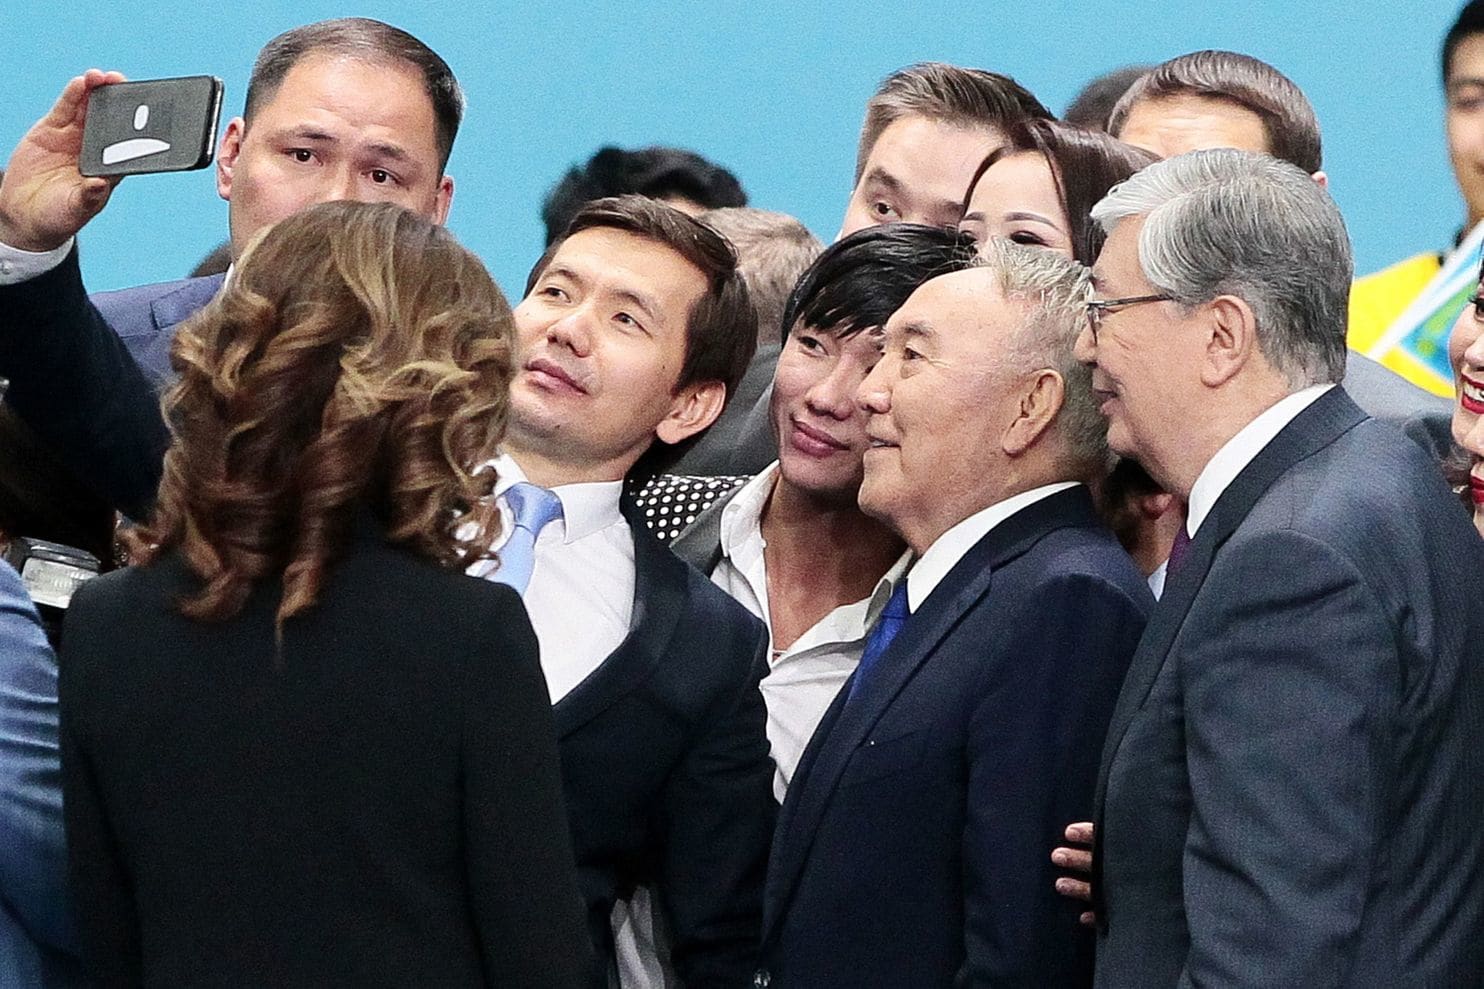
533 509
893 617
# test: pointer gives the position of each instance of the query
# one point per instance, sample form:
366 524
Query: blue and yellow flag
1415 345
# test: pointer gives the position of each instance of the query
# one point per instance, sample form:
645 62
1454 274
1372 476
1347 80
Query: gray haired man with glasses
1288 791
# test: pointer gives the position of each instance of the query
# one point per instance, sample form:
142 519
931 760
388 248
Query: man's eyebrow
638 300
306 133
946 206
562 271
880 176
393 151
1465 81
918 329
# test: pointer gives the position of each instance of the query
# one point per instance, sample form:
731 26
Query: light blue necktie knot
532 508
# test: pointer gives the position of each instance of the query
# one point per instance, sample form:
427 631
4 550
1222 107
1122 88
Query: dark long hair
1084 165
357 358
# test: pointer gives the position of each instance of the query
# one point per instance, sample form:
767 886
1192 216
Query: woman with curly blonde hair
299 745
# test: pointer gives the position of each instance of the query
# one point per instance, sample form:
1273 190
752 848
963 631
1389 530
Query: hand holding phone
43 198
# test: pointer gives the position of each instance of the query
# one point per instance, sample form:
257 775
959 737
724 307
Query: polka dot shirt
671 502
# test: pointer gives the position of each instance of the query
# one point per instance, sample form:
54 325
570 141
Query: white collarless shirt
803 679
1239 451
945 552
581 595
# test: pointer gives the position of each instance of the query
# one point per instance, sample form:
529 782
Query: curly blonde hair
357 359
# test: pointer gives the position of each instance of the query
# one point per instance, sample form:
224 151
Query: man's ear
444 200
1231 340
695 407
226 156
1039 404
1322 179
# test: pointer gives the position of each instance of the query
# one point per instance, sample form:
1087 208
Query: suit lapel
847 726
660 598
174 307
1319 425
700 543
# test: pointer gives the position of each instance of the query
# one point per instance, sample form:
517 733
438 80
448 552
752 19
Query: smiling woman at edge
1466 355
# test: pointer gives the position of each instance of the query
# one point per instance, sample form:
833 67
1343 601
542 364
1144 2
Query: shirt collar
945 552
1236 453
851 622
587 507
742 517
876 603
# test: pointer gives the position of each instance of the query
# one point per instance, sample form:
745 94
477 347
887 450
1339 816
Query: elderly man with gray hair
1291 782
912 845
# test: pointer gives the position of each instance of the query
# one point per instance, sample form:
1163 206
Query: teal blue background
774 90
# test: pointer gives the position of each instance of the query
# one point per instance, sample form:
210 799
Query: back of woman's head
357 359
1085 164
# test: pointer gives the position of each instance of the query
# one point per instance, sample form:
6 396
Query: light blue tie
533 508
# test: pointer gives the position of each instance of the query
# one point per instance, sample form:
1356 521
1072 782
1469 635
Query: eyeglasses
1096 308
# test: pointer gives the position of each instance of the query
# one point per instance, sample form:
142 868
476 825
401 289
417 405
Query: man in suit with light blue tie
912 848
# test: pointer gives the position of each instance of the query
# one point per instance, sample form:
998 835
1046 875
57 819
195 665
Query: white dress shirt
803 679
581 595
18 266
1234 456
1157 579
945 552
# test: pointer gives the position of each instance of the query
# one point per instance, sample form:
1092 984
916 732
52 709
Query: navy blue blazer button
761 979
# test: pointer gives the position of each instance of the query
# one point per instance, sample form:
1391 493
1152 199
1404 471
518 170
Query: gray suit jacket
1291 782
740 441
700 543
1386 395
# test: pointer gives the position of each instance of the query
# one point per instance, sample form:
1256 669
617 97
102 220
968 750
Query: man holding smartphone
342 109
665 760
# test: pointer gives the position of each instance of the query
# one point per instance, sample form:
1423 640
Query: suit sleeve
716 817
1033 750
1286 725
108 924
33 848
75 384
522 875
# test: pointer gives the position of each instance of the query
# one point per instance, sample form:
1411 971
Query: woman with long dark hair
300 747
1040 187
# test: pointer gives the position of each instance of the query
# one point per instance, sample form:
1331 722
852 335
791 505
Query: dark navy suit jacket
665 761
913 848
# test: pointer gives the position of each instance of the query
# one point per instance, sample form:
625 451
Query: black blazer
667 773
914 846
664 755
379 805
1291 786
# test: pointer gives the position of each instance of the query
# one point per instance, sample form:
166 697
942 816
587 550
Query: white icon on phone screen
135 147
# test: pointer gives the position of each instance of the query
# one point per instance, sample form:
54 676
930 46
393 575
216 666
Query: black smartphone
156 125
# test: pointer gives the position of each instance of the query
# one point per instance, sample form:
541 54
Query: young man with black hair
792 543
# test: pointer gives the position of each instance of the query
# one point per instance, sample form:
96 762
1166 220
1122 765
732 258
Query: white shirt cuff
21 266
